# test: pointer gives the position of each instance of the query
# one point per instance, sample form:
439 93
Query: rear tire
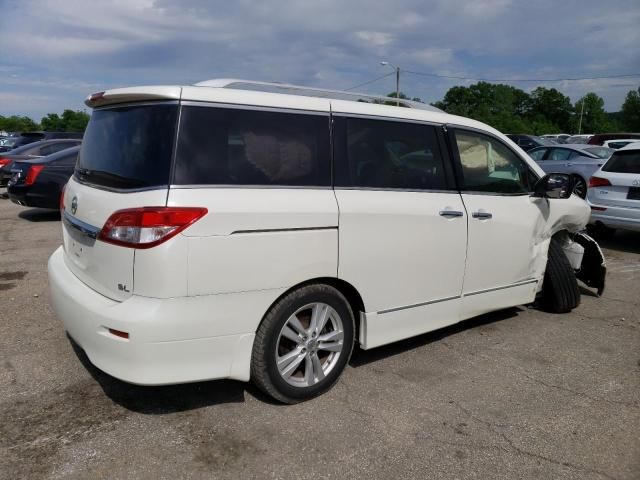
303 344
560 292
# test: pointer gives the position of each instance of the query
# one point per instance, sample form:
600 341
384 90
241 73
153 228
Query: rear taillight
147 227
32 174
4 161
599 182
62 198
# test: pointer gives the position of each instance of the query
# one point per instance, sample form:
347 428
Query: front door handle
451 213
482 215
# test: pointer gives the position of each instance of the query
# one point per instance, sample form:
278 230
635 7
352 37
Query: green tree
501 106
70 121
17 123
630 113
594 118
549 109
52 123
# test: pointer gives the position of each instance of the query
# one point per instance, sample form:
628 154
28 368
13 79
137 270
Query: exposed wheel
303 344
579 186
560 292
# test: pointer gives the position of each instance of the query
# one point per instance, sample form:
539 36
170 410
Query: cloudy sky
55 52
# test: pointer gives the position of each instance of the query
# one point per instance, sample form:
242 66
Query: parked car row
29 152
611 140
10 143
39 182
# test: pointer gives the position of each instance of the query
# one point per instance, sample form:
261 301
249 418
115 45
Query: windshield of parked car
600 152
128 147
626 161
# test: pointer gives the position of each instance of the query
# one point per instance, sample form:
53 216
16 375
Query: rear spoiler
133 94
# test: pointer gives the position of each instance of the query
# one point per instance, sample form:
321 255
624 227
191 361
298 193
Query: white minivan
245 230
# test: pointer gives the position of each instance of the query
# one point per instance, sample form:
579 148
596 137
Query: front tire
303 344
560 292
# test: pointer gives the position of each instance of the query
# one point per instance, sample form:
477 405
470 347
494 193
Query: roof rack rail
288 89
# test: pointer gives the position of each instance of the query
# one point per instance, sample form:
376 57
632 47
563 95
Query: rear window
128 147
221 146
25 149
600 152
623 162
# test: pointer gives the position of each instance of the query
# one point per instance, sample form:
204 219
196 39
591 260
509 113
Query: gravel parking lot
514 394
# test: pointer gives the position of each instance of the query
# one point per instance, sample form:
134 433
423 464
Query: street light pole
397 80
397 86
581 112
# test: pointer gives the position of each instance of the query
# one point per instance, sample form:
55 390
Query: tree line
69 121
544 110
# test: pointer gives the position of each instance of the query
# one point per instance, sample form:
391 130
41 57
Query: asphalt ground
515 394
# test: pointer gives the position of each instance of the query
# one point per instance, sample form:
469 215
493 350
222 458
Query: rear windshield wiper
111 179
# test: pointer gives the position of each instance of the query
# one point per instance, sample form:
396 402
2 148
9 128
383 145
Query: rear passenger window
218 146
387 154
559 154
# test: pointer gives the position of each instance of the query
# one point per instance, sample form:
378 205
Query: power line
370 81
628 75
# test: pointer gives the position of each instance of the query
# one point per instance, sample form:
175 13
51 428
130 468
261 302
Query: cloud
433 56
376 39
67 49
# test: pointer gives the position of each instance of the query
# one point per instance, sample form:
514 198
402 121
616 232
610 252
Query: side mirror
554 185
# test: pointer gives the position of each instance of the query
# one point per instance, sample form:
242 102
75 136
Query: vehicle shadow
167 399
40 215
622 241
364 357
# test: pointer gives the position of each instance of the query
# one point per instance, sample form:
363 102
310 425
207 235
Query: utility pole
581 112
397 86
384 64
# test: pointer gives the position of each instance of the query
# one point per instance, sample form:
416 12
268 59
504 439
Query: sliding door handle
451 213
482 215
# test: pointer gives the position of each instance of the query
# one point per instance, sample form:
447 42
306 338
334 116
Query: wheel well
345 288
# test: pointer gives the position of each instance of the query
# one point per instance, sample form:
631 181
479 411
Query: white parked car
218 231
619 143
614 192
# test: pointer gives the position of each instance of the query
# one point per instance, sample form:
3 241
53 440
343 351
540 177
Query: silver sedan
578 160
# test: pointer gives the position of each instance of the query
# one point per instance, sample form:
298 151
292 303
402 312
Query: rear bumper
23 195
617 217
165 345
